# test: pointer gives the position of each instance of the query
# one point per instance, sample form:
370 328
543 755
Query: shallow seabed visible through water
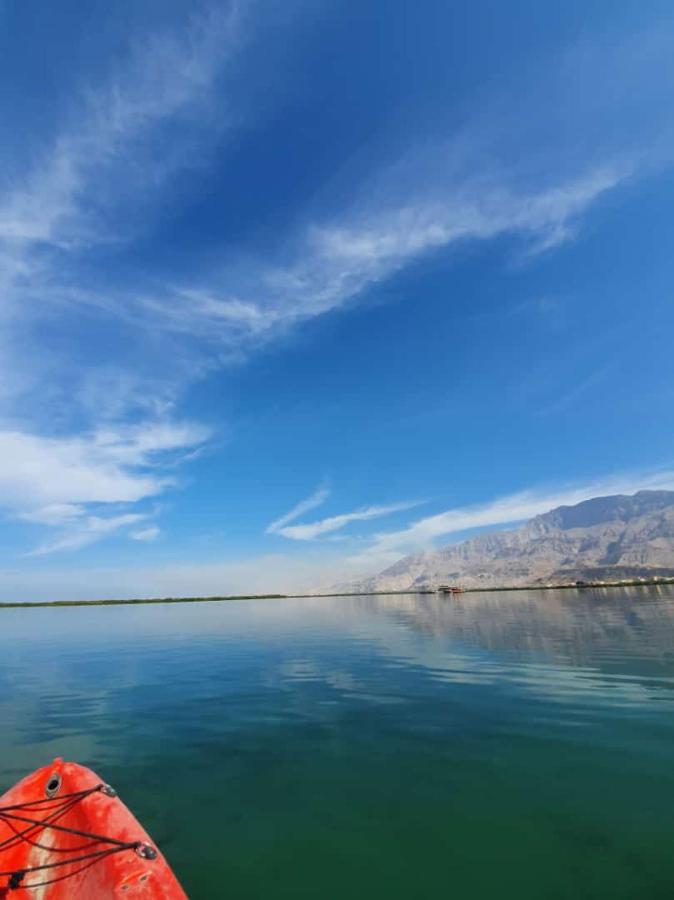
510 745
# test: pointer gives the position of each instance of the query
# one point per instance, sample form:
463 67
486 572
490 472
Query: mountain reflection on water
577 626
611 646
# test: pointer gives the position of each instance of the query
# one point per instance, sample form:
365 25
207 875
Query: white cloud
166 75
86 531
477 184
56 481
367 248
387 547
43 477
118 143
151 533
313 530
336 261
53 514
482 181
40 472
319 496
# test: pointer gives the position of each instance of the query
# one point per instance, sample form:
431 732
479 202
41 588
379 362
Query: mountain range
604 538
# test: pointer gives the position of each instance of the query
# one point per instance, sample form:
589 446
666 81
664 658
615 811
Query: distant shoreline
41 604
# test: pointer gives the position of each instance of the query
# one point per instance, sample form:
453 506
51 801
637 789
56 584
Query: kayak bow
64 833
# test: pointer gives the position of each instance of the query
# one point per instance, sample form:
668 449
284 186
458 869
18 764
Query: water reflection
421 728
577 627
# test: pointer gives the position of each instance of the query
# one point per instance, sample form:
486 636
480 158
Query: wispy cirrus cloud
313 530
334 262
151 533
85 531
471 185
157 113
480 182
313 501
476 183
168 75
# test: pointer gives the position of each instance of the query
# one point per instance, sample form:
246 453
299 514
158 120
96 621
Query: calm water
516 745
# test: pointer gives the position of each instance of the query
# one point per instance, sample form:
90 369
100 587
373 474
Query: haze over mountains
603 538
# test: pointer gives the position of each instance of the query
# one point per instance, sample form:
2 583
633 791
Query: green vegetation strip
137 602
145 601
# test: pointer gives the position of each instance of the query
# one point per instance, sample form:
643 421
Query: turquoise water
514 745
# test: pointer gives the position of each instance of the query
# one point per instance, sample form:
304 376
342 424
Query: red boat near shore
64 833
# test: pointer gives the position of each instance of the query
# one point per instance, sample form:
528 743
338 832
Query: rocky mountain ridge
620 536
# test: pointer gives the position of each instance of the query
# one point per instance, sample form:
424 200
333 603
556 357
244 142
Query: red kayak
64 833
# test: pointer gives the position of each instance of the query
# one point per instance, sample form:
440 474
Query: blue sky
291 290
